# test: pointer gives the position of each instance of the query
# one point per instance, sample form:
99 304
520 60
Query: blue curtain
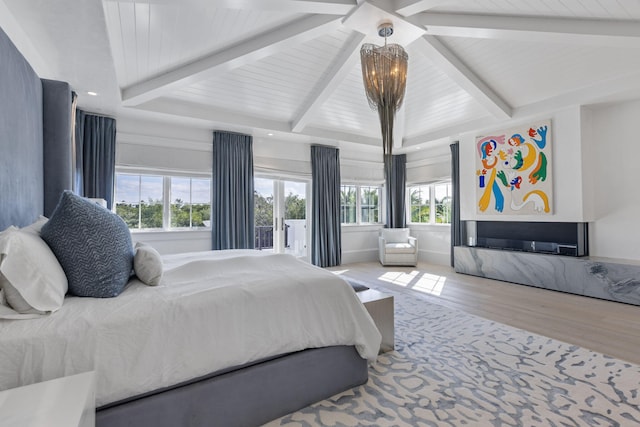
326 243
395 181
232 221
456 224
95 156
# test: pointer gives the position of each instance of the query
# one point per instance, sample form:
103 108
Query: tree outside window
430 203
420 204
443 203
191 202
348 204
369 207
360 204
140 201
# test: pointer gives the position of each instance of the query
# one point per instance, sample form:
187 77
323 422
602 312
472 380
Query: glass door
281 216
263 213
294 214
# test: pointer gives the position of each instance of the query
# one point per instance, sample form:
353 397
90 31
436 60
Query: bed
166 355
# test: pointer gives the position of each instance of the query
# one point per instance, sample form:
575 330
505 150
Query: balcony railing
264 236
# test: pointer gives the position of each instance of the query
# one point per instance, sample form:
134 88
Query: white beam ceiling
594 32
230 58
415 24
325 7
443 58
341 67
411 7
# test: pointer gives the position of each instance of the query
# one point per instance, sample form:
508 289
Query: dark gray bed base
248 396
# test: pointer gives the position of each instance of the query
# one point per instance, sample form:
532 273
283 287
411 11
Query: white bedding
212 310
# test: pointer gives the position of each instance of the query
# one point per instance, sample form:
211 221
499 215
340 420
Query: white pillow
147 264
37 225
396 235
31 277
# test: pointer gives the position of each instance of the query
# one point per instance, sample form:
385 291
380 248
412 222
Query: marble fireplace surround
605 278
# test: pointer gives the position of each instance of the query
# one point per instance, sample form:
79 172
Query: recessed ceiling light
92 93
269 134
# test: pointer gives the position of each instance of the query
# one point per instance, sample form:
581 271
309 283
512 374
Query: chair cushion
399 248
395 235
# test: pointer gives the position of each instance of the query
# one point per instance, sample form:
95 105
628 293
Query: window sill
169 230
356 228
170 235
426 226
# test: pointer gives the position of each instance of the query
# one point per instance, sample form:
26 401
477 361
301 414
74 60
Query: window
420 204
359 204
430 203
369 205
348 202
190 202
442 202
139 200
161 202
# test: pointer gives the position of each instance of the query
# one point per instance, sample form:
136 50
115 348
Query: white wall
434 242
614 181
566 167
360 243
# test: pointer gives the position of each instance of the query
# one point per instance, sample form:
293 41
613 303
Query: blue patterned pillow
93 246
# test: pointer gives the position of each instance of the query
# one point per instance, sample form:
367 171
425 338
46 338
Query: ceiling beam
343 136
235 56
239 122
325 7
411 7
326 86
448 131
610 90
453 67
624 33
212 115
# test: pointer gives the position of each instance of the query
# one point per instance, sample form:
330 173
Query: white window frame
432 203
166 196
359 204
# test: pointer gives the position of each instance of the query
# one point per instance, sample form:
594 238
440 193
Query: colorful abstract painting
513 171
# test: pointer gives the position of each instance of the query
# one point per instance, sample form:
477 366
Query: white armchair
397 247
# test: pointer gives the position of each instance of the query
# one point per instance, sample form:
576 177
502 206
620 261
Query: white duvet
212 310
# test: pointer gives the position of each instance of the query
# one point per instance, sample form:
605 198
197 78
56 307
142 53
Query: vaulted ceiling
292 66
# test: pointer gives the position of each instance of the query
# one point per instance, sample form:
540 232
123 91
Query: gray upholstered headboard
35 139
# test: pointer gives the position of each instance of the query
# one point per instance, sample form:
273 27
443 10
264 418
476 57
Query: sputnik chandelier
384 71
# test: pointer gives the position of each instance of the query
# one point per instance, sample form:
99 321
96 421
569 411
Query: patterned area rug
454 369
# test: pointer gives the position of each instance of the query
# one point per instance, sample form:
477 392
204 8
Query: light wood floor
603 326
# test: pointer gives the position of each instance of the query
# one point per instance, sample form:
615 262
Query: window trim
432 203
166 195
358 207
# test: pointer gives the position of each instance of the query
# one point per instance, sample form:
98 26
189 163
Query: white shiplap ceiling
292 66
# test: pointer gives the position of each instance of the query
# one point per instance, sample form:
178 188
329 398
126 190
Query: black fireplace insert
560 238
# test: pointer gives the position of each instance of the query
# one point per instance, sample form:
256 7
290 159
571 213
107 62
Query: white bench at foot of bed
380 308
62 402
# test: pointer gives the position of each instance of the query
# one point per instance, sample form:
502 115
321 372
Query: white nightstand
380 308
63 402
